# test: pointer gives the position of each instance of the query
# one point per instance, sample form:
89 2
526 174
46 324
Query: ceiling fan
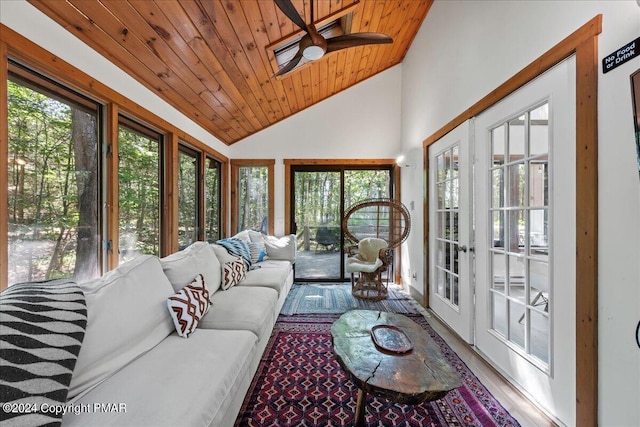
314 46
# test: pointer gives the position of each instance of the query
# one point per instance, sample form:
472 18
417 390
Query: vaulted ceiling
214 60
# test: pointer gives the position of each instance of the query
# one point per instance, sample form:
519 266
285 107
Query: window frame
236 164
17 48
143 129
219 166
26 76
296 164
203 156
199 187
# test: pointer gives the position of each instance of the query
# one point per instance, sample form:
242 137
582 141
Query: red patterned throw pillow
233 273
188 306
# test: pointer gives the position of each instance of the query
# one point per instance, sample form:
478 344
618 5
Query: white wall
466 49
362 122
28 21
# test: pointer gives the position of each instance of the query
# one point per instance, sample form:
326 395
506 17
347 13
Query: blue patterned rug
336 298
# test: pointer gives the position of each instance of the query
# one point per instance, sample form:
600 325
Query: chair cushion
369 248
356 264
245 308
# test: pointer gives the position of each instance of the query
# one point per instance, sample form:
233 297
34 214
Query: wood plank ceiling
214 59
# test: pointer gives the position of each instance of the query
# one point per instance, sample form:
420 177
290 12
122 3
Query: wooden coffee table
418 375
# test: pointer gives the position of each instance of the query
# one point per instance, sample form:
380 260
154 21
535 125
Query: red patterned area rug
299 383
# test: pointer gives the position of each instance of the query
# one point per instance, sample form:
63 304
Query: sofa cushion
277 263
233 272
126 317
198 258
222 254
188 306
268 275
246 308
179 383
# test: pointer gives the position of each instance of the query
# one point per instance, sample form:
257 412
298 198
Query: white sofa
140 372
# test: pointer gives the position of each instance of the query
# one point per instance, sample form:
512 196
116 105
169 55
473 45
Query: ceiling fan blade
291 65
292 13
357 39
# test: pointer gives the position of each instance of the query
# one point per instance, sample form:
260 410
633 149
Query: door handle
463 248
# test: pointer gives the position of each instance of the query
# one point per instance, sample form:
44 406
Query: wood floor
514 401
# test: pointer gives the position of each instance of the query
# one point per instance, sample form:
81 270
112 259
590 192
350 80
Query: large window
199 197
139 190
253 196
188 197
212 194
90 179
53 175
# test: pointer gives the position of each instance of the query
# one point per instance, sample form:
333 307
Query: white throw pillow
198 258
283 248
188 306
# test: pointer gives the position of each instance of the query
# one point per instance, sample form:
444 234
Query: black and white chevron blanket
42 326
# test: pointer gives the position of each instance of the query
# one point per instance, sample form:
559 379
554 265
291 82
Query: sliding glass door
320 196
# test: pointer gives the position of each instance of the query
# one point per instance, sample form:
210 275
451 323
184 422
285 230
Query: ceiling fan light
313 52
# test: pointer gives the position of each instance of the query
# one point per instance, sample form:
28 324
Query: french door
525 238
514 295
451 242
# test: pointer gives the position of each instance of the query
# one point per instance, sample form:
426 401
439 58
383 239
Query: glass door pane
447 221
363 184
317 197
519 217
321 196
